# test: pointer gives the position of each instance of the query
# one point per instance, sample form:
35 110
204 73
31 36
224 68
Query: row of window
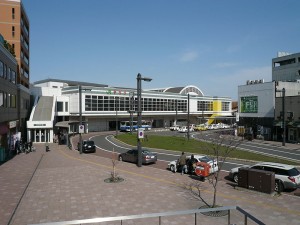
113 103
7 73
8 100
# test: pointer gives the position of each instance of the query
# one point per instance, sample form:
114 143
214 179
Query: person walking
182 163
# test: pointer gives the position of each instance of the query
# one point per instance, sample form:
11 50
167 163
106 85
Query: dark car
132 156
87 146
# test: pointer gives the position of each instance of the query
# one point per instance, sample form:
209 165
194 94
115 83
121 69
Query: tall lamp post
80 118
116 107
188 122
283 114
139 79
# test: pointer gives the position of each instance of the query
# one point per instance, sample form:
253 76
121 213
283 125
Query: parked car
286 176
132 156
87 146
213 127
184 129
198 158
174 128
200 127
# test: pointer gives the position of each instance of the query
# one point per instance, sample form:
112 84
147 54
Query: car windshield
204 159
146 152
89 142
293 172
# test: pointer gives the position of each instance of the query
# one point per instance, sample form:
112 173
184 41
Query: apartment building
14 27
14 103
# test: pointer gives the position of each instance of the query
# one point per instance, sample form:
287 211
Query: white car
184 129
175 128
213 127
199 158
286 176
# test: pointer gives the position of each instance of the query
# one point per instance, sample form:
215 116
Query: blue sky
214 45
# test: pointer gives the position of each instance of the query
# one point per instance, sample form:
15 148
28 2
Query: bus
125 125
147 125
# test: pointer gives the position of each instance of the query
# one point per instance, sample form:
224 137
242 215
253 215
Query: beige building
14 27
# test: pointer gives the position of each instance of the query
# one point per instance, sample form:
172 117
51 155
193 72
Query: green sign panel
249 104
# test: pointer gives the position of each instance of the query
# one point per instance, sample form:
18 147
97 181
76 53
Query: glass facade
100 103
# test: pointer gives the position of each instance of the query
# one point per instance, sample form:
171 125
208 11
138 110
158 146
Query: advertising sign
249 104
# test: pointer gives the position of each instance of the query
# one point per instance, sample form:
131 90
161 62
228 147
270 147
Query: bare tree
220 149
114 159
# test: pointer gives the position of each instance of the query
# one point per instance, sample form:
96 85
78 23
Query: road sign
140 133
81 129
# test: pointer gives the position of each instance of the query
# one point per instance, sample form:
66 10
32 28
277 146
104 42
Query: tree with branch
219 150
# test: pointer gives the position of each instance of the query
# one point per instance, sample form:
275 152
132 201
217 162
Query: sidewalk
67 185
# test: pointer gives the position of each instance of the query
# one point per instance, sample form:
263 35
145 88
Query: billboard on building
249 104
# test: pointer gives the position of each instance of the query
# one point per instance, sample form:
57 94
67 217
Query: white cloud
188 56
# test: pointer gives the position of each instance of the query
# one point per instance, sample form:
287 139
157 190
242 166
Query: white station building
57 104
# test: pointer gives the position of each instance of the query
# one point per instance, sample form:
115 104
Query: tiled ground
70 186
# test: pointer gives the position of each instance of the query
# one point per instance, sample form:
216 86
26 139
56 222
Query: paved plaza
63 185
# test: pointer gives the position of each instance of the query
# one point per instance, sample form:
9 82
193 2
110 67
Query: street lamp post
188 119
283 115
139 79
116 106
80 118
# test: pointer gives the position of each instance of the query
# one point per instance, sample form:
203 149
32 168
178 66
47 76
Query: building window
225 106
8 74
59 106
13 101
1 99
1 69
13 76
204 106
13 13
13 31
66 107
5 71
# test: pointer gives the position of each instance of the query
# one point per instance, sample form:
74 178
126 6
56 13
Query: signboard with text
249 104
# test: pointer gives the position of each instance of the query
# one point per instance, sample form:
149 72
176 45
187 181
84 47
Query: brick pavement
70 186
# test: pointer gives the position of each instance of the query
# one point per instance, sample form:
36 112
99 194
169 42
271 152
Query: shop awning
65 123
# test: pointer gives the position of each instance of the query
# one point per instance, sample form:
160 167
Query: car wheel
120 158
236 178
172 168
278 186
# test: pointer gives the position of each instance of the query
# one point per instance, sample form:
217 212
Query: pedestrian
182 163
192 164
47 146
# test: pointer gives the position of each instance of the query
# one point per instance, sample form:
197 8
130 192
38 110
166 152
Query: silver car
132 156
286 176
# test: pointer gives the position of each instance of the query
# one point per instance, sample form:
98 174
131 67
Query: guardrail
164 214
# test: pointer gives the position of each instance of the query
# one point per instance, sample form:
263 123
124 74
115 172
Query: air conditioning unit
256 81
248 82
261 81
251 81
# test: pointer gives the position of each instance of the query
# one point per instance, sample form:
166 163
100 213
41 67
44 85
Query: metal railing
160 215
